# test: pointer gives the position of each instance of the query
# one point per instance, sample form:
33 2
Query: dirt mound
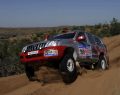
89 83
48 75
113 45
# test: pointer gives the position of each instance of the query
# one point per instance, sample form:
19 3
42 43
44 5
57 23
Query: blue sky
39 13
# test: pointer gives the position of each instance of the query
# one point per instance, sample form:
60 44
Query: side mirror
81 38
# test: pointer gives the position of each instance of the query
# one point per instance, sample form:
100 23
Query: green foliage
103 30
13 40
82 28
104 33
115 27
9 56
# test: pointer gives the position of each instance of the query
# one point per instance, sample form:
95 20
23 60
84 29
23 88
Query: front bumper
42 56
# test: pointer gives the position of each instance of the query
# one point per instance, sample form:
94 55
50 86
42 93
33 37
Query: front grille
36 46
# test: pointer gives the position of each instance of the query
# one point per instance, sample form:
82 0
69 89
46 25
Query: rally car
65 51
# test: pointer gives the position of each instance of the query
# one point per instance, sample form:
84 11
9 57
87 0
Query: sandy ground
89 83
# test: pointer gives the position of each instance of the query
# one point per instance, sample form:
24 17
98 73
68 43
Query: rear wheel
102 63
68 69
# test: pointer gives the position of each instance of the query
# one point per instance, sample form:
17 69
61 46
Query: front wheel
30 72
68 69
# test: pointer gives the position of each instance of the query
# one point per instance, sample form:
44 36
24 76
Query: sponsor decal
51 52
85 51
33 52
82 46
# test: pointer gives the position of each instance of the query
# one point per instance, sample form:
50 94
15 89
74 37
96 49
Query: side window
91 38
82 34
97 40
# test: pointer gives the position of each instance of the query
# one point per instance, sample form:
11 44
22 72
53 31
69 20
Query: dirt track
89 83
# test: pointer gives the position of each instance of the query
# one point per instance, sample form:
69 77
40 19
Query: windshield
65 36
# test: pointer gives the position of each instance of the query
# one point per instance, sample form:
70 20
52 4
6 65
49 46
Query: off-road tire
30 72
68 69
102 63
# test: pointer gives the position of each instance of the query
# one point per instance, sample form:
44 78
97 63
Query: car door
99 45
94 49
84 48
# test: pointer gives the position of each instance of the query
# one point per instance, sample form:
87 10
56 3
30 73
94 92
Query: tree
82 28
115 27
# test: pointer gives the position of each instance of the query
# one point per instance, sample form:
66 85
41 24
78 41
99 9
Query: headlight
51 43
24 49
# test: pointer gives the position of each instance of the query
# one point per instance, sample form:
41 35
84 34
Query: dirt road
89 83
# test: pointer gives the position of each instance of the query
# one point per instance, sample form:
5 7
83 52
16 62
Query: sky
49 13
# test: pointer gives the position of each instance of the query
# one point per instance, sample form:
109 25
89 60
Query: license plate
33 52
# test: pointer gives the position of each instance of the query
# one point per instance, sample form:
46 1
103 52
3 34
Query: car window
82 34
65 36
97 40
91 38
